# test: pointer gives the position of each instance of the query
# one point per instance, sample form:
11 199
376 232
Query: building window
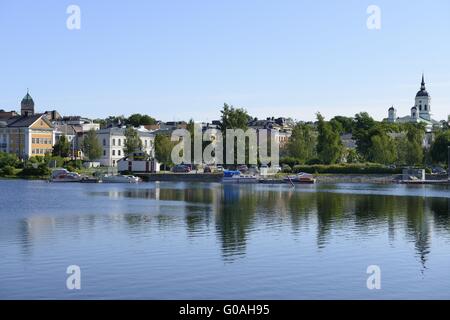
114 152
146 143
119 142
114 142
104 142
425 107
104 152
118 152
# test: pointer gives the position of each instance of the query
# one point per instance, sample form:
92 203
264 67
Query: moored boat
63 175
120 179
301 177
230 176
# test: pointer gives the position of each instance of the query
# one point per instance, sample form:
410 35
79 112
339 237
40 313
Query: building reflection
234 212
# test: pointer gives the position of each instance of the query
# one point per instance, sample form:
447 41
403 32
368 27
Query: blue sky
183 59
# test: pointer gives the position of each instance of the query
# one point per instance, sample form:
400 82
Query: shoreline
320 178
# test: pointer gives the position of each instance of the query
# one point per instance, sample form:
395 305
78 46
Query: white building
420 112
113 139
138 162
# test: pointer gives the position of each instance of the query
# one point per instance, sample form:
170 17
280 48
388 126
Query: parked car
438 170
276 169
181 168
219 168
207 169
253 169
242 168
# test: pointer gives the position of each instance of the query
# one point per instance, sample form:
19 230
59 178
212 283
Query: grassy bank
346 169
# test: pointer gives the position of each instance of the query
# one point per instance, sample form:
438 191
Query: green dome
27 99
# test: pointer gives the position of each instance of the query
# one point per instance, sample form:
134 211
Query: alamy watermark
250 146
73 21
374 279
374 20
73 281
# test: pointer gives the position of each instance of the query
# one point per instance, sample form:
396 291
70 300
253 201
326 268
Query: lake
213 241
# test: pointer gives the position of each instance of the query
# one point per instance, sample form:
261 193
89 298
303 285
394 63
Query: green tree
138 119
383 149
132 141
329 144
439 148
62 147
343 124
234 118
163 149
414 152
147 120
352 156
8 159
91 146
362 133
302 143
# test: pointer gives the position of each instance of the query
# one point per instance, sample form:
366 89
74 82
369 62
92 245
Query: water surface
212 241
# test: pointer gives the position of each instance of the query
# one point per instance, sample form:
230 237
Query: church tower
423 101
392 114
27 105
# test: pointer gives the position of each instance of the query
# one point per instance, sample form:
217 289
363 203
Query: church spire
422 87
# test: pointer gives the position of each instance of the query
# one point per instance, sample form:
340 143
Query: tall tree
343 124
163 149
302 143
439 148
383 149
62 147
132 141
363 132
329 144
90 146
415 136
138 119
234 118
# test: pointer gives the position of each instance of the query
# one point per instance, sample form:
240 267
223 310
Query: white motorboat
63 175
238 177
301 177
120 179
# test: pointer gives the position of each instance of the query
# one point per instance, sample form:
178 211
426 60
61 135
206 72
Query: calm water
209 241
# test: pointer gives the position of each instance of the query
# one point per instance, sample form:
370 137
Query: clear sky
183 59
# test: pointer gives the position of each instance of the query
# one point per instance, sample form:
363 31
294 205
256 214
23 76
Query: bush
290 161
313 161
54 161
74 164
8 159
40 171
7 171
286 168
347 169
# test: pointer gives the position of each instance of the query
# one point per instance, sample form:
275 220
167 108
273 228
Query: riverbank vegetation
35 167
379 147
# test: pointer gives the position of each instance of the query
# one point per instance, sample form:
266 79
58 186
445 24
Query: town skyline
145 58
276 113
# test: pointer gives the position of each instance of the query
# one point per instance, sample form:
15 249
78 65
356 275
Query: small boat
301 177
63 175
230 176
120 179
86 179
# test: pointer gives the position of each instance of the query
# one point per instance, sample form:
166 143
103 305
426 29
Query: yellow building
27 135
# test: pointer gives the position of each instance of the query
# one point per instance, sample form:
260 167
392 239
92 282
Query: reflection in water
234 212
